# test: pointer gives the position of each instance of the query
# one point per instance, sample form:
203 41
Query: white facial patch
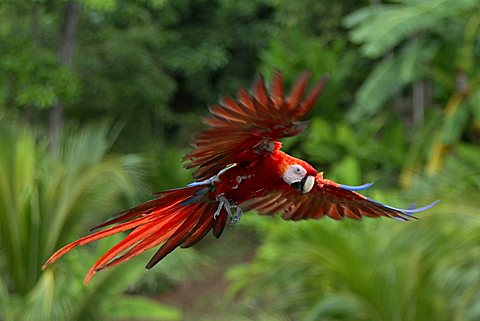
294 173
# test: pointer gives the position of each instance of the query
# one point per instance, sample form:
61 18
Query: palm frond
44 199
390 76
380 28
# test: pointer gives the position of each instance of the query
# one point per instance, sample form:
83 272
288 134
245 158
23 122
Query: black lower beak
299 185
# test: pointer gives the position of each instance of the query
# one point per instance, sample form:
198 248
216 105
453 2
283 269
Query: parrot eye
298 169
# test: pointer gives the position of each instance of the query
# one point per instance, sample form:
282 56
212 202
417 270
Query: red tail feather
170 219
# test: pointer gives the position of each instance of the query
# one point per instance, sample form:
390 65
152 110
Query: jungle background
100 99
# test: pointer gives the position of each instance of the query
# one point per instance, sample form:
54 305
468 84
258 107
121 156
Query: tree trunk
418 102
66 50
35 34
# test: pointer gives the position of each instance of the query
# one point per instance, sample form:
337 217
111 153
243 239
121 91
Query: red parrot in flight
239 167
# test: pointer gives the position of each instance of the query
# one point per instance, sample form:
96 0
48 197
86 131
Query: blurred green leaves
140 307
426 54
390 76
32 76
44 199
100 4
379 28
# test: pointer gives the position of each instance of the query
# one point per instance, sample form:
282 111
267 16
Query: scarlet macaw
239 167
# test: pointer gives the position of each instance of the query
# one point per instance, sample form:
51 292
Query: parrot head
300 175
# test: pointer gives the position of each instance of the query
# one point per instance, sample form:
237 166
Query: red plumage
239 167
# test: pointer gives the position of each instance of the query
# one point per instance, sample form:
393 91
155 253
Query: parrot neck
281 160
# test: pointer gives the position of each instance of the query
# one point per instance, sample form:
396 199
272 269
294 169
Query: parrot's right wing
326 198
247 128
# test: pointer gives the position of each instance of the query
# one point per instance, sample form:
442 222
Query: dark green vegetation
99 100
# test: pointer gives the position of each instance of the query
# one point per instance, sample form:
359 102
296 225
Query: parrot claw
238 215
224 203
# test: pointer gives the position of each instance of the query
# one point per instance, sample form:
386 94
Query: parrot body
242 182
239 167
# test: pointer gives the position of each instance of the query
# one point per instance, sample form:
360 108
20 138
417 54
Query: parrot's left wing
326 198
247 128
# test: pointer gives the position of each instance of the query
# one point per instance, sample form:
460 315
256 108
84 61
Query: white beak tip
309 182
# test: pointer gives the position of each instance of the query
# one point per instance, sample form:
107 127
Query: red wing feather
179 217
220 225
326 199
201 230
186 230
242 127
277 91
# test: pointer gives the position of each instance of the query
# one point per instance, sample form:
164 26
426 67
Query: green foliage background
402 109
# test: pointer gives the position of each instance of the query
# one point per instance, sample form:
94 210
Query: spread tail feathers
179 217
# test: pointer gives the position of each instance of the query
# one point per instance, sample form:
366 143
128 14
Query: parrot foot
224 203
237 216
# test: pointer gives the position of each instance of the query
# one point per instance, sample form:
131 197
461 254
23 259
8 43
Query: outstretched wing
326 198
247 127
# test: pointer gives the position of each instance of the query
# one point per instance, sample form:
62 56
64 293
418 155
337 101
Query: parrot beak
305 185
